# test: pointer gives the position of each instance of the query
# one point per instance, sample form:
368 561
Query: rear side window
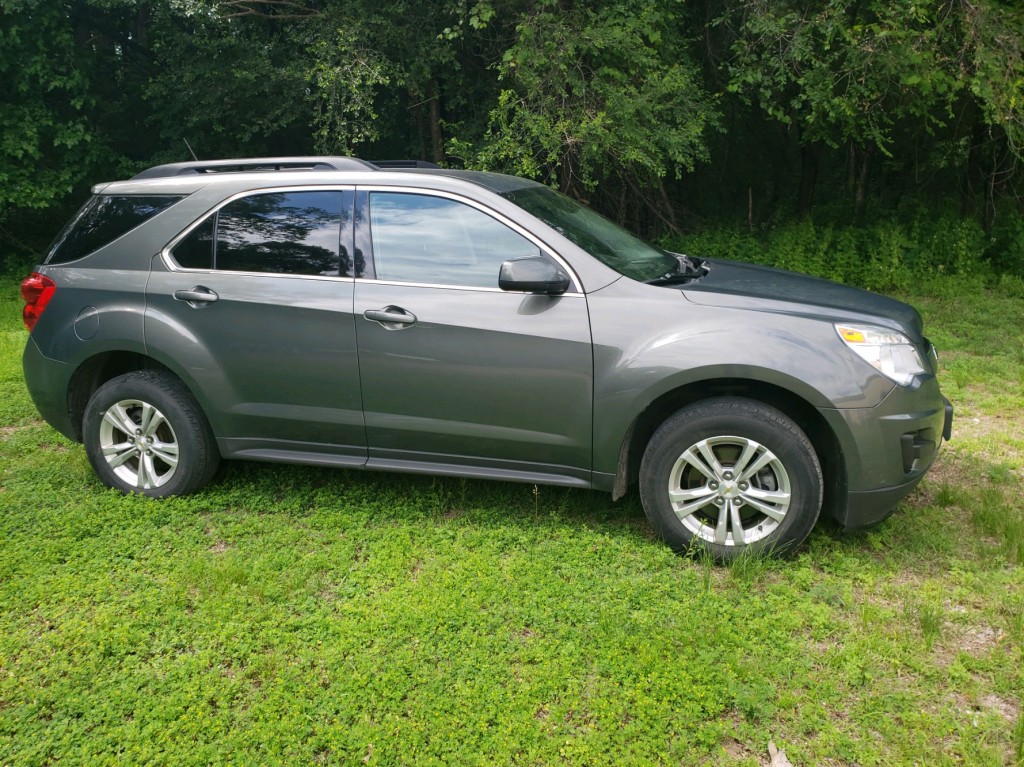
277 233
102 220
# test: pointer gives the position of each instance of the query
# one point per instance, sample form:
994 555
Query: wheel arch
803 413
100 368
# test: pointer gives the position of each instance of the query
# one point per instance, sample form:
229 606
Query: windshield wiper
689 269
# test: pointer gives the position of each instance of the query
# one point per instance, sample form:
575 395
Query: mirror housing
534 274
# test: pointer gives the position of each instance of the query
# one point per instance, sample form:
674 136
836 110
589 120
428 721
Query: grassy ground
308 616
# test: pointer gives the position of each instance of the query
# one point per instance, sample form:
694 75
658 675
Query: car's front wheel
730 475
145 433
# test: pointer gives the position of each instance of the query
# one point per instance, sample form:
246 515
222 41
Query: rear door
254 306
455 372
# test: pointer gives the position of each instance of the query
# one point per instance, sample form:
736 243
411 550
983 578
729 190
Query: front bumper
887 450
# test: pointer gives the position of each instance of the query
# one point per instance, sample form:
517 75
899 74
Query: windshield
607 242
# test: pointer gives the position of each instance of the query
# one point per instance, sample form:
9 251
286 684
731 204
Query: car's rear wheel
144 433
731 475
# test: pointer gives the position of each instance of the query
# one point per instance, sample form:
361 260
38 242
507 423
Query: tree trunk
436 137
860 201
972 170
808 177
851 171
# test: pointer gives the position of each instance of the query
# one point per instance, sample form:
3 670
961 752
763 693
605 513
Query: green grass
303 616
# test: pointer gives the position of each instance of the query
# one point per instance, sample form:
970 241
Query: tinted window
282 233
102 220
417 238
196 250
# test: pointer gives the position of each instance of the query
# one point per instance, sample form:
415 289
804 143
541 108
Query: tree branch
270 9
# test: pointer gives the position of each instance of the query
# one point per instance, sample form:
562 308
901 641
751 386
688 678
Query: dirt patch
219 547
1008 709
6 432
979 640
736 750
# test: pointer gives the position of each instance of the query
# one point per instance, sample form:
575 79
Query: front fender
649 343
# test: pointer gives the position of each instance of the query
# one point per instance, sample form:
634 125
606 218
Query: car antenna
190 148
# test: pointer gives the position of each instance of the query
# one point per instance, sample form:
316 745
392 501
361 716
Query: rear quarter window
102 220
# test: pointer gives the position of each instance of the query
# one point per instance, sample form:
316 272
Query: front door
455 372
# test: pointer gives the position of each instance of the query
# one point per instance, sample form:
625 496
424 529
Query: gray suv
398 317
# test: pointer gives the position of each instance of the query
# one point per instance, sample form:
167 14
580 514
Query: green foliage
994 36
344 80
884 257
852 71
51 103
662 114
598 90
229 89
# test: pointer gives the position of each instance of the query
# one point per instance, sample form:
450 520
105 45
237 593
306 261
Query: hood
762 288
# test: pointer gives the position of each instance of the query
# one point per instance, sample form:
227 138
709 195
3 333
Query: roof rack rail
254 165
403 164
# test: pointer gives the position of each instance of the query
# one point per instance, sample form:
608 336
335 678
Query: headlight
889 352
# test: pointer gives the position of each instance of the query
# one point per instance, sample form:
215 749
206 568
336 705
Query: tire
696 500
145 433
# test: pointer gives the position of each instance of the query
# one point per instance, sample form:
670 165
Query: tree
864 74
601 92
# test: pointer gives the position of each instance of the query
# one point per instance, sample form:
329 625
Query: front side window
437 241
102 220
277 233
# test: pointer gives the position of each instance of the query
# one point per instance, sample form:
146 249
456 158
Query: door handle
197 295
391 317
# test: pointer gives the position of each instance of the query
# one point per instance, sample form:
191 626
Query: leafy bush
886 256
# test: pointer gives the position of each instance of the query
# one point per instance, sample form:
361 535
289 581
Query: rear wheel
145 433
730 475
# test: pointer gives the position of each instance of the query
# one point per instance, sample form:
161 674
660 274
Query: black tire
145 433
775 506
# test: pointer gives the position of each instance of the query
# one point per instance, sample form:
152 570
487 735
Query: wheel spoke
763 460
737 523
768 496
166 452
118 417
697 462
145 475
687 509
119 453
722 528
150 419
709 455
749 449
775 512
682 495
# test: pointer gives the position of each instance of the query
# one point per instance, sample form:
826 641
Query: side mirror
534 274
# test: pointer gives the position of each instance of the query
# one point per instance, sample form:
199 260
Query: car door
254 306
458 375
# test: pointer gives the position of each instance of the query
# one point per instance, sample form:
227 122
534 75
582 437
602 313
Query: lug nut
744 486
728 475
712 485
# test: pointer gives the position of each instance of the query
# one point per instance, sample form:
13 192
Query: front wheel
731 475
145 433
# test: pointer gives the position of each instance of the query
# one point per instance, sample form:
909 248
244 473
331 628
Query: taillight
37 290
